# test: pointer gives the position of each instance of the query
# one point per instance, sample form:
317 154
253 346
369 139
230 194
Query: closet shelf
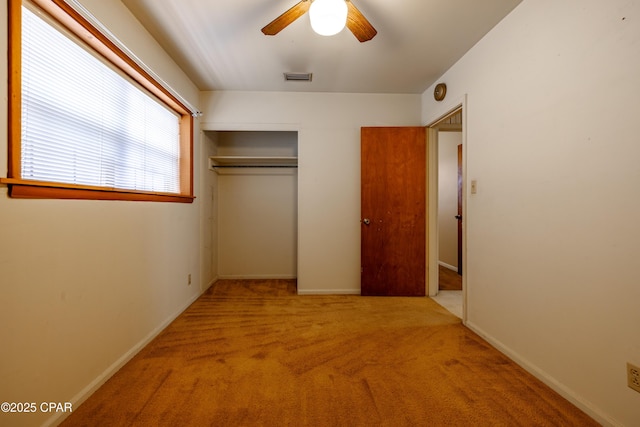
251 161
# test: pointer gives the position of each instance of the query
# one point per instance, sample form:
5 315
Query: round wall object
440 91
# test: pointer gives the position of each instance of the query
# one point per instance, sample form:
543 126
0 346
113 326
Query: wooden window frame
78 25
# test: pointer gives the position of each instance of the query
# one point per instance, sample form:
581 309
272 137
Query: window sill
22 189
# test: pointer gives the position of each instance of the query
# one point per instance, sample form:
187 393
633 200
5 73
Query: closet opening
253 179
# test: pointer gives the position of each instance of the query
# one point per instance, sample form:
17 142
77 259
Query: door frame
432 176
213 205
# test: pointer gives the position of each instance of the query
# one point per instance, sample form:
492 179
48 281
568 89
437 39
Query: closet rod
254 166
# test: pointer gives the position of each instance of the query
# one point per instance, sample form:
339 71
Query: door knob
458 216
366 221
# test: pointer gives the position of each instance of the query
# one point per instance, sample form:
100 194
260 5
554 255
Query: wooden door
393 209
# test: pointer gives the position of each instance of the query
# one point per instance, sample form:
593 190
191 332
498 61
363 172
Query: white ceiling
219 45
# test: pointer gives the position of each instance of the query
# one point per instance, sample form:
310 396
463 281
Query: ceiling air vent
297 77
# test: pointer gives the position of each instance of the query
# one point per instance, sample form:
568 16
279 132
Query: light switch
474 186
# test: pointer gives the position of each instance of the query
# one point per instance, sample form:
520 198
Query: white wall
448 197
258 224
551 134
328 128
83 283
208 212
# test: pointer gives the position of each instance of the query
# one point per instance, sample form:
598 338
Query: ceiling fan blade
282 21
358 24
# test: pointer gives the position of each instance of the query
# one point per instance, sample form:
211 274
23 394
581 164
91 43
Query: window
85 120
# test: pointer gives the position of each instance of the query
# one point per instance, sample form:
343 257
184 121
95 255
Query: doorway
251 232
446 242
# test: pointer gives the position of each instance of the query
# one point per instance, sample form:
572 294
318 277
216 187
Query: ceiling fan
355 20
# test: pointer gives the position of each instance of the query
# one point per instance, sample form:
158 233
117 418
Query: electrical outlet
189 279
633 377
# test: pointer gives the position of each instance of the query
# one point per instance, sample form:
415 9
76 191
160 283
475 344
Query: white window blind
84 123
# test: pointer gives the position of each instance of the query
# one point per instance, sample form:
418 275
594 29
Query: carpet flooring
253 353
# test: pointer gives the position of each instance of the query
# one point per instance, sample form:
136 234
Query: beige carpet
252 353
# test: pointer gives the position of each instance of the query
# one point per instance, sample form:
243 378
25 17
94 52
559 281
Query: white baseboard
558 387
329 292
85 393
256 276
450 267
214 280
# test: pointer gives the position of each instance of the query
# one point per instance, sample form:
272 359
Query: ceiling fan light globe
328 17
